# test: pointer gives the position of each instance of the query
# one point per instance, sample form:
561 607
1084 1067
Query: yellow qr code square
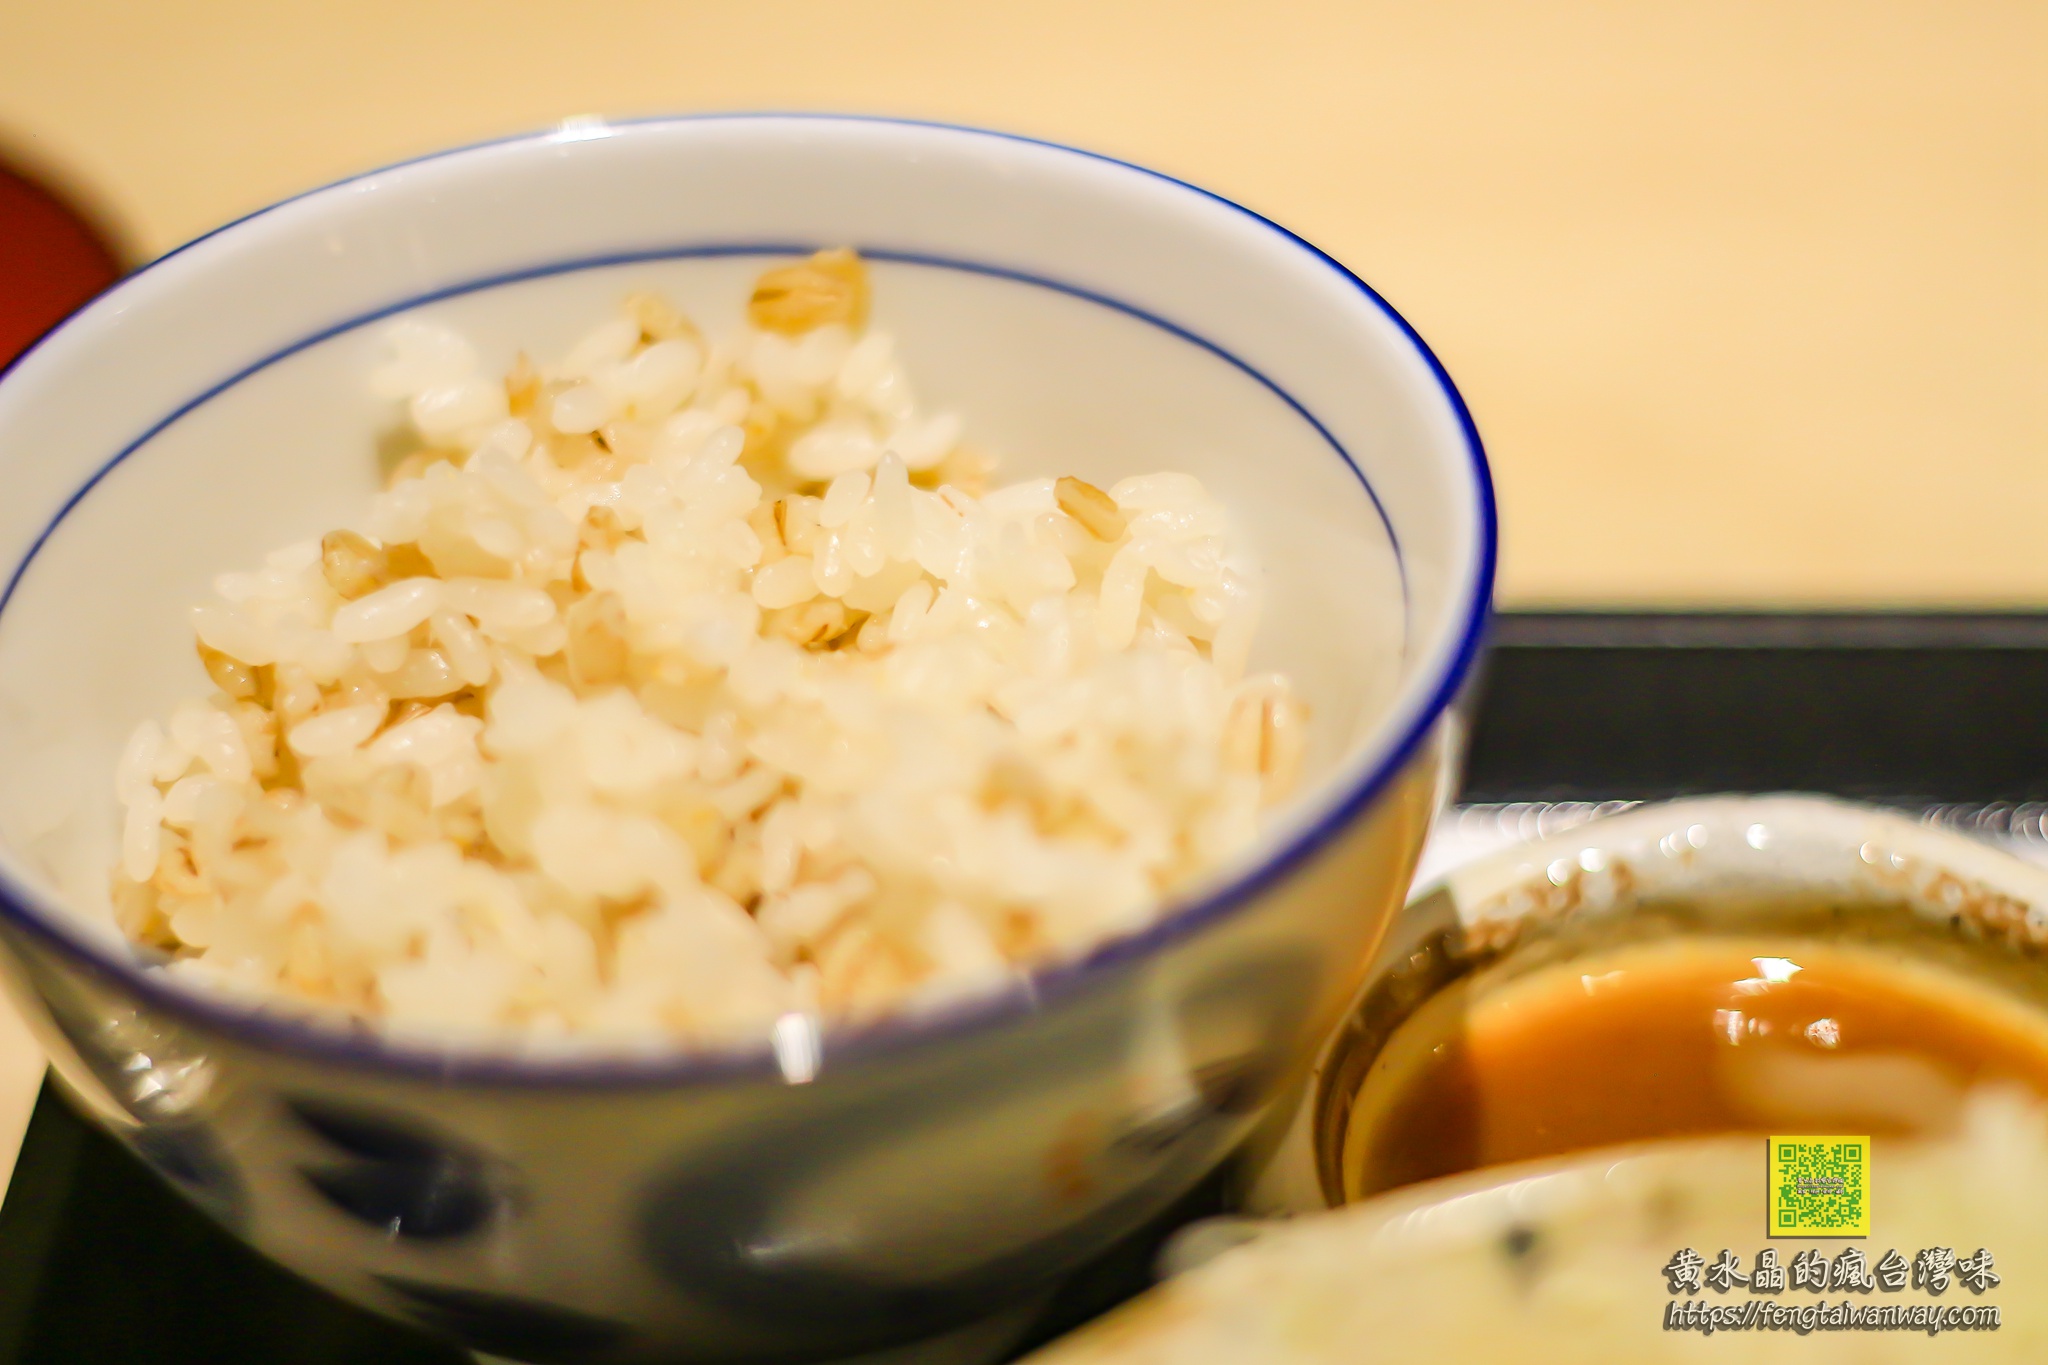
1820 1186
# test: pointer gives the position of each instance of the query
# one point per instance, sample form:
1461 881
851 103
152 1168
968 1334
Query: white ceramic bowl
825 1194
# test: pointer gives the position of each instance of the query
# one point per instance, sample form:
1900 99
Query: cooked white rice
678 686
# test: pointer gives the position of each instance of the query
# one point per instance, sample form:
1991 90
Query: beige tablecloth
1750 297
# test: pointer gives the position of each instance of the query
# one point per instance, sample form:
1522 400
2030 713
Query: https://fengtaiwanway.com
1764 1315
1931 1271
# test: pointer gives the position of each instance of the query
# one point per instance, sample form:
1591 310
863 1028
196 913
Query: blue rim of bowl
605 1066
697 251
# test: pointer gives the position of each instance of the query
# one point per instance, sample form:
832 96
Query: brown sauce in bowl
1682 1037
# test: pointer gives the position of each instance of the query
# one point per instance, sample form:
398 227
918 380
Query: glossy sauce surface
1682 1038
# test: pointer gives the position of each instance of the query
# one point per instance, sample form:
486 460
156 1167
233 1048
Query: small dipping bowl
1717 870
827 1191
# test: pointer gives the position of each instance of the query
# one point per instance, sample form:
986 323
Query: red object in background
51 261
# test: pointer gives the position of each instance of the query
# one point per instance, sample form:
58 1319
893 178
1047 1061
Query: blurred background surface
1750 298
